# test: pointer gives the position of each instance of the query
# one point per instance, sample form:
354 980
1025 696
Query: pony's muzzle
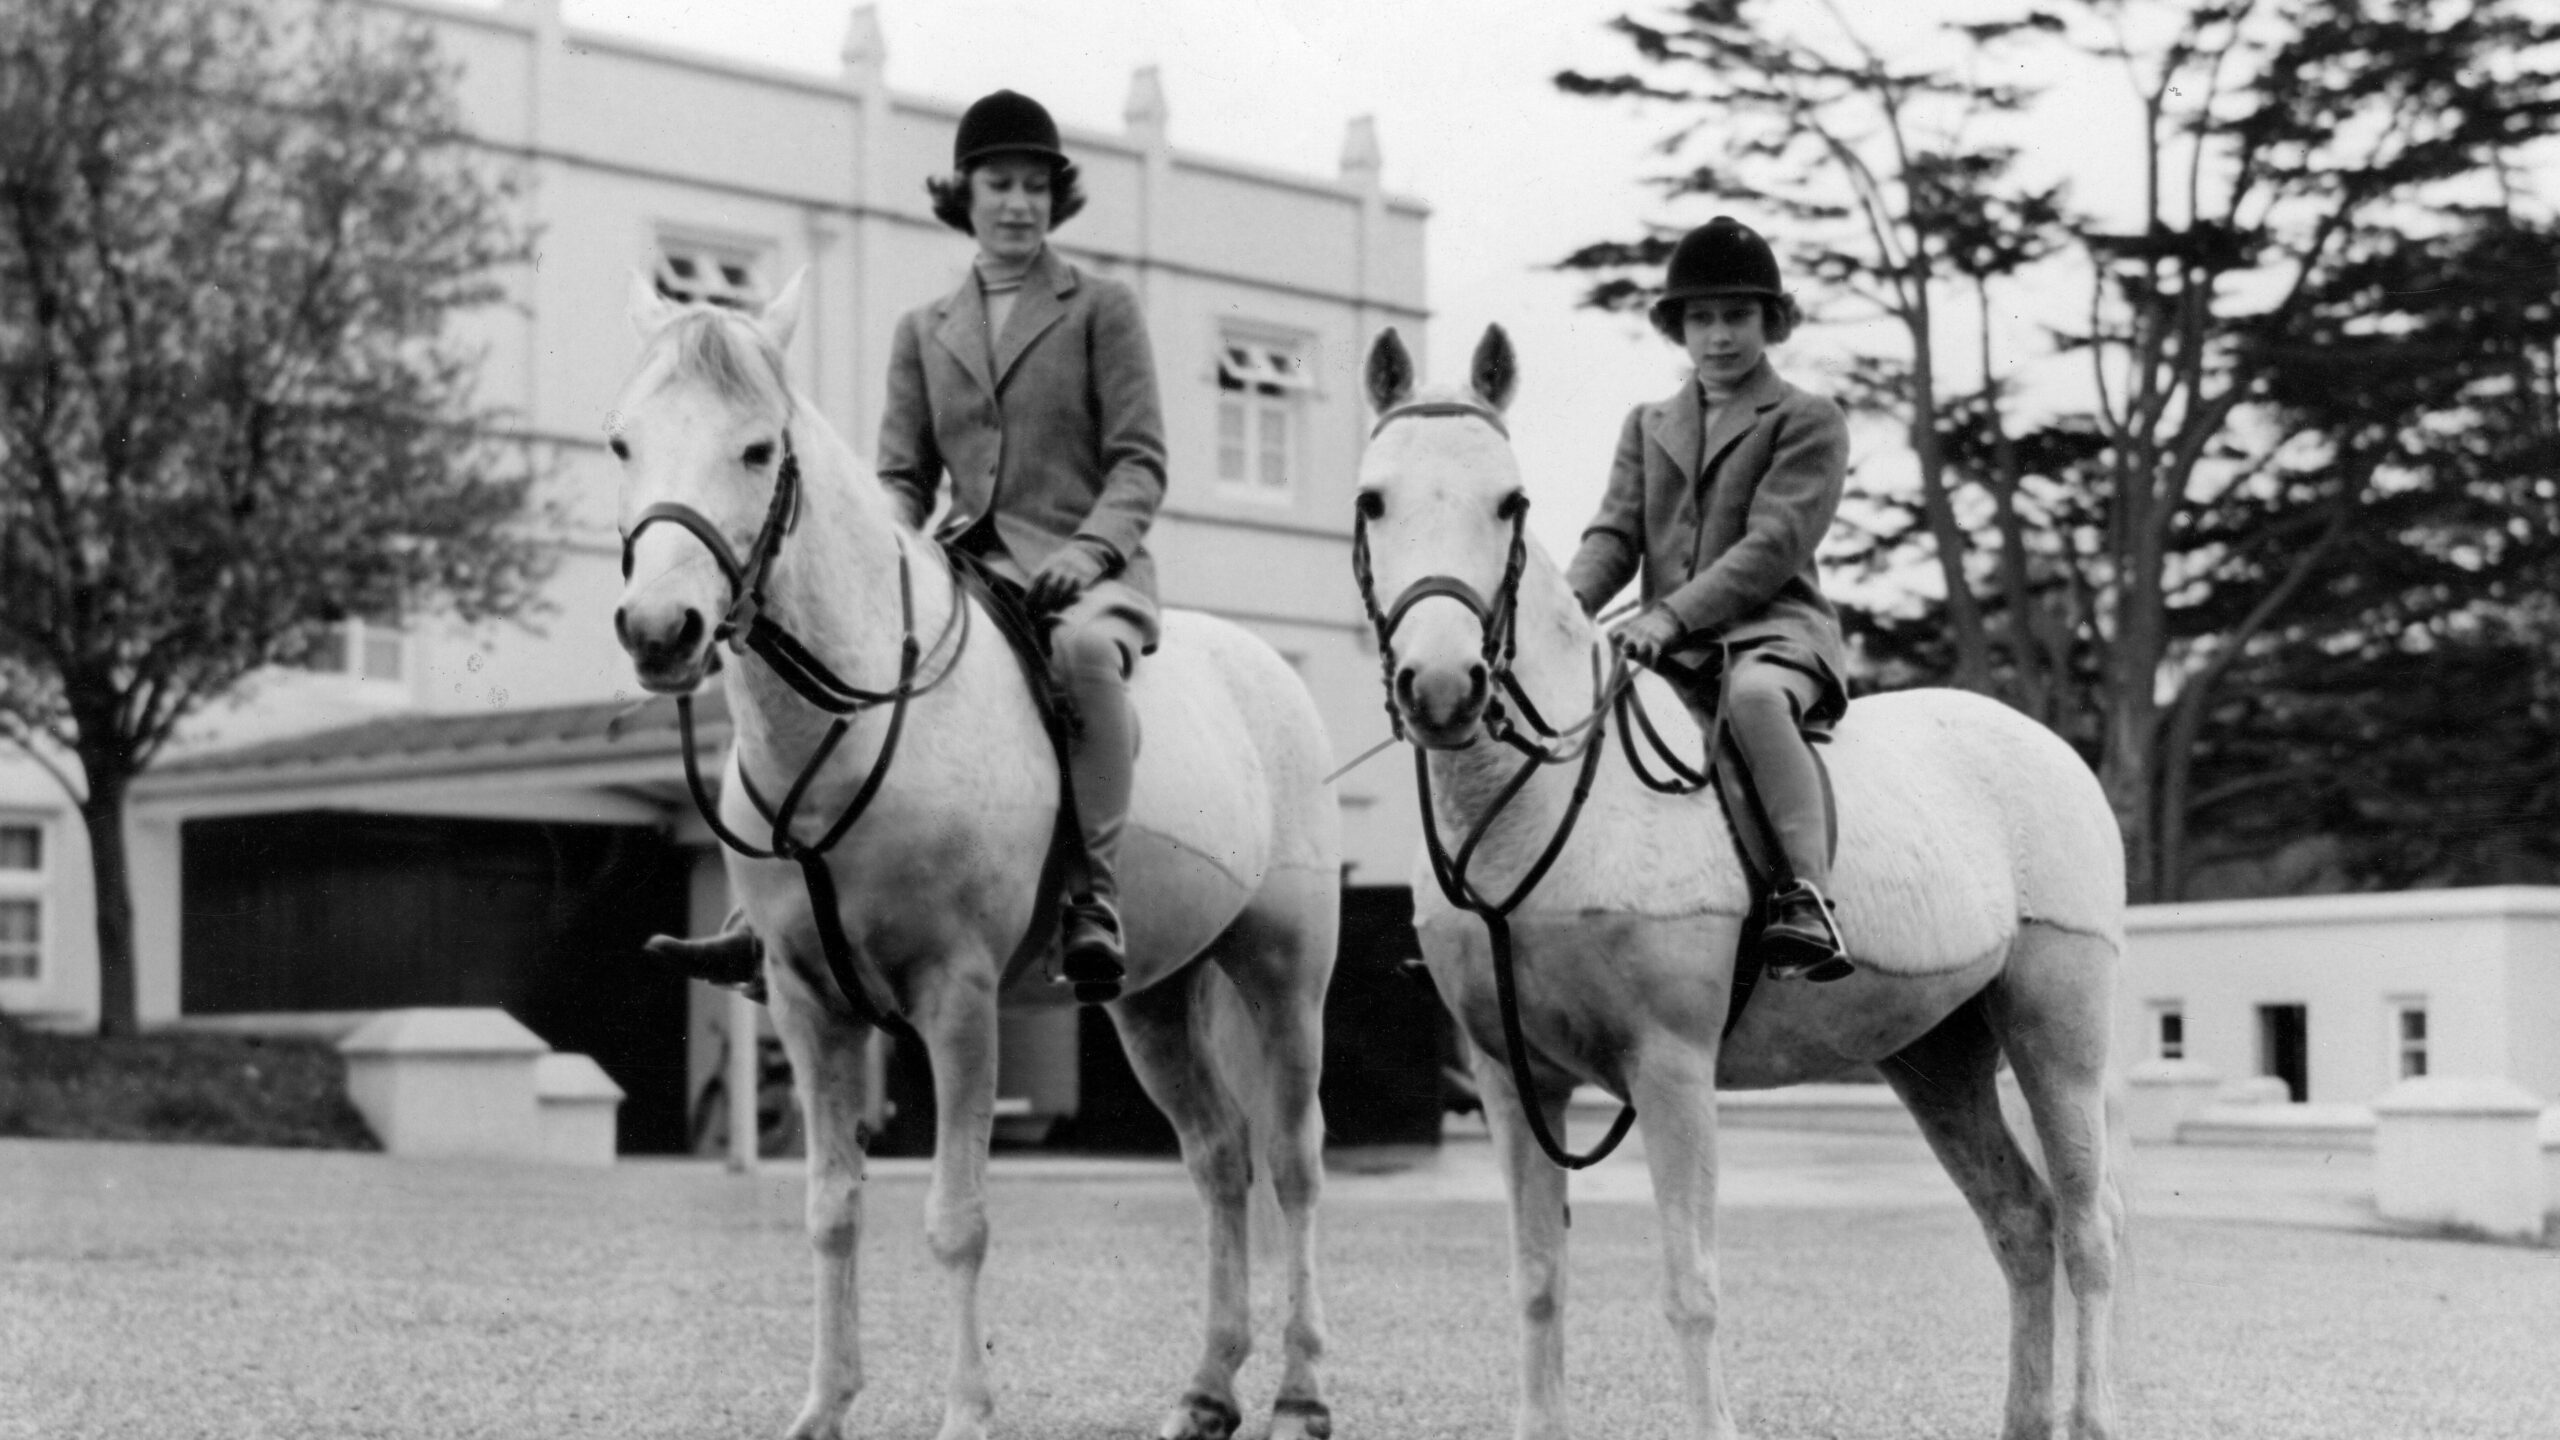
1442 706
666 653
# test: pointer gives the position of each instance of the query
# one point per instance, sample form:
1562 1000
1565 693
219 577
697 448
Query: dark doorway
2284 1047
342 911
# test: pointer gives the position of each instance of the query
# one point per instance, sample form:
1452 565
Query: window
2409 1038
22 896
1263 385
376 649
712 274
2169 1027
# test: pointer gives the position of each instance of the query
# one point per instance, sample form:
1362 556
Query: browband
1424 408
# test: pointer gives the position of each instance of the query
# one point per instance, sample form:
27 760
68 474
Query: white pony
1980 887
1232 862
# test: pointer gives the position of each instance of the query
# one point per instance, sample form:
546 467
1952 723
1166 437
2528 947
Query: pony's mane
721 350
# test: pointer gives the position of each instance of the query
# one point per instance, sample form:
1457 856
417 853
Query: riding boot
1099 767
1801 938
733 958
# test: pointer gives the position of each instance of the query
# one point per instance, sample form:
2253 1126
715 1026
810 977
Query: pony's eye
1371 504
1512 505
620 450
759 453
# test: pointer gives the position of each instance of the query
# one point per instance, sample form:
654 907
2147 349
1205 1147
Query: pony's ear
650 311
781 314
1390 371
1494 372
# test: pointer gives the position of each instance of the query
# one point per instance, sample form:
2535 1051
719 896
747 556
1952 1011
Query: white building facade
722 179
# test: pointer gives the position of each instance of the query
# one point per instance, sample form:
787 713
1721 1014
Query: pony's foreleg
828 1077
956 1015
1674 1089
2050 1010
1537 1191
1946 1077
1158 1030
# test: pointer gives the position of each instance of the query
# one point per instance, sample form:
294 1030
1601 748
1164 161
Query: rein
747 627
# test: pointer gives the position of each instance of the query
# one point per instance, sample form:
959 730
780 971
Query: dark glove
1643 636
1069 571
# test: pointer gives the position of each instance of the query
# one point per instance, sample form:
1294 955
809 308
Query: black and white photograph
1187 720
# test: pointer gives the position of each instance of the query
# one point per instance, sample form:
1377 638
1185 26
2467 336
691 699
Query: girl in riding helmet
1719 496
1032 388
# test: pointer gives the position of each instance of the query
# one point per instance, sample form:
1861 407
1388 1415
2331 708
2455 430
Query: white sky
1517 173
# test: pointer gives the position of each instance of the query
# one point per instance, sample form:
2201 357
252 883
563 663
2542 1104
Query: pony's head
702 436
1441 511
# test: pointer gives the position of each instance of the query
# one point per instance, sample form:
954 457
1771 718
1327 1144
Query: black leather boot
1101 767
1801 940
734 958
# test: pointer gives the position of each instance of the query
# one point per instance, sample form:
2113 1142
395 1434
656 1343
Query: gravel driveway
176 1292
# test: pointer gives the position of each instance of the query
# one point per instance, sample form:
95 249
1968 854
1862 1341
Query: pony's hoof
1200 1417
1301 1420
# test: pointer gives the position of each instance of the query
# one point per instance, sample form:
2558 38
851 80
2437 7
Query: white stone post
447 1083
2161 1095
2460 1150
579 1105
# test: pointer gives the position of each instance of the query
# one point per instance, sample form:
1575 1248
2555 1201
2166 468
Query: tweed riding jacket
1053 432
1724 524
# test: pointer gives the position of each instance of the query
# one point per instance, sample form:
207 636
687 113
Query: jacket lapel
1041 303
964 328
1675 429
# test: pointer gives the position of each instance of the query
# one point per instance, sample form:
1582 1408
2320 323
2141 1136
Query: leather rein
1580 744
747 626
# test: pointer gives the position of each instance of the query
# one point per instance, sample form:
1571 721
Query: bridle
1580 743
747 626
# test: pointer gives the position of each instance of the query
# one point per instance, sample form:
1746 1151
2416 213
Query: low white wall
2484 962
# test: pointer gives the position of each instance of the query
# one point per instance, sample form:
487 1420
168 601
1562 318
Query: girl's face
1726 335
1009 206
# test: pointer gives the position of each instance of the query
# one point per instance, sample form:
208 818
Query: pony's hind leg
1267 1032
1948 1078
828 1074
1164 1039
2050 1010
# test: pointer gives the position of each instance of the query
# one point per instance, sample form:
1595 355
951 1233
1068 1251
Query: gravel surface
181 1291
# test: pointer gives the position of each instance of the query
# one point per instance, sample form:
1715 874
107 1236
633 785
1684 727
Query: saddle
1009 606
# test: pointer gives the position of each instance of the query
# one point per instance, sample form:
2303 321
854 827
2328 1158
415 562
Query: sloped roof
503 739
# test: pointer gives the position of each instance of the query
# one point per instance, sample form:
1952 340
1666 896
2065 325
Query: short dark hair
1779 315
951 197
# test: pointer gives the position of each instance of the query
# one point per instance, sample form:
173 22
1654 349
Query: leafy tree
2246 456
231 238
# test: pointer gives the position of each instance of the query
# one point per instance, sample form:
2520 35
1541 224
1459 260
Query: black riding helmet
1722 257
1004 123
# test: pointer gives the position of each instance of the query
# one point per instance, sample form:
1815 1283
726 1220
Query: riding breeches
1090 655
1765 704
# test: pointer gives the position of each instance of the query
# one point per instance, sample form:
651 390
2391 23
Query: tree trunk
103 810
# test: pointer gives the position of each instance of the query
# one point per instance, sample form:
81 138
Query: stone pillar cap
455 1031
2458 1095
572 1077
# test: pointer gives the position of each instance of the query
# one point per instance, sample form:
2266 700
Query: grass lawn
185 1291
200 1089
